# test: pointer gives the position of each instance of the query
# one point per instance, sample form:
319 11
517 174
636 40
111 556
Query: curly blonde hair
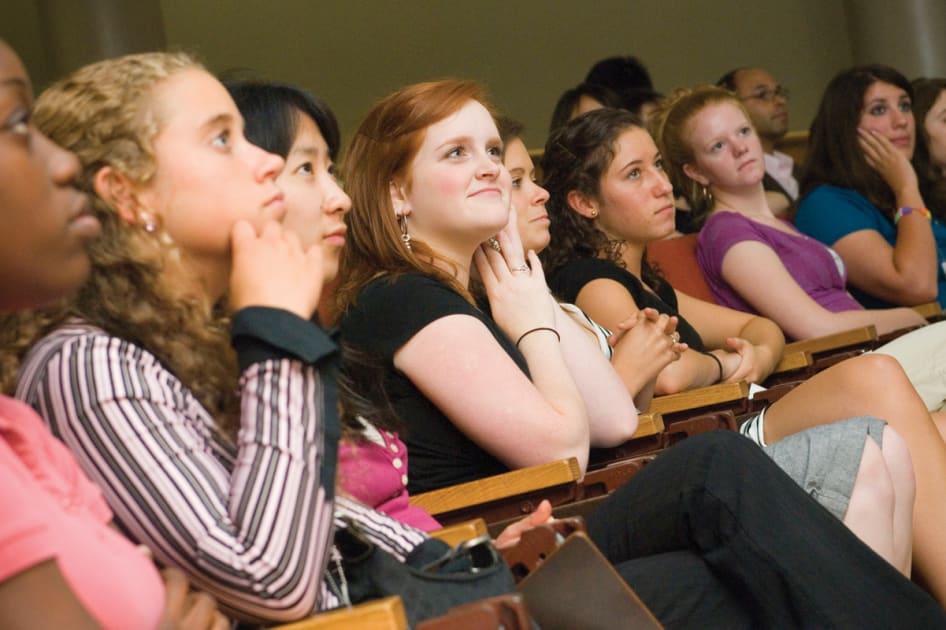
105 114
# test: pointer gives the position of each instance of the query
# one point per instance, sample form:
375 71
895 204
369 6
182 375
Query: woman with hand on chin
861 196
61 565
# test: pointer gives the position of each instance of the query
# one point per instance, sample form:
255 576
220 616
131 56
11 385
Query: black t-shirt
386 315
568 280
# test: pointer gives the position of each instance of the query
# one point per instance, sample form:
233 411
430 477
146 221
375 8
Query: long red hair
381 152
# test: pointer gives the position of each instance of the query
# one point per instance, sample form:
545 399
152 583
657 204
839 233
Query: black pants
712 534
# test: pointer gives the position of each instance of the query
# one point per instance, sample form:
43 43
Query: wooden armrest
701 397
453 535
930 310
381 614
792 361
507 611
836 341
648 424
499 486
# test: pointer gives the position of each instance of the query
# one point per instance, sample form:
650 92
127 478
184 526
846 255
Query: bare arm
756 272
748 346
609 303
457 364
611 412
905 273
643 347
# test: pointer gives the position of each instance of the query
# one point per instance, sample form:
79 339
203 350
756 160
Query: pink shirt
374 471
50 510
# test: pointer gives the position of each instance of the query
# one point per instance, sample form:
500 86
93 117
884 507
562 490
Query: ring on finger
493 244
675 337
523 268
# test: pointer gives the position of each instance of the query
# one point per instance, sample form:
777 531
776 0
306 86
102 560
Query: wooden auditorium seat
675 259
381 614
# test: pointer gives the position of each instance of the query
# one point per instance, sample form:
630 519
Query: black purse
432 579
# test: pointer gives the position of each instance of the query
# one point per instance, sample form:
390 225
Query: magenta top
374 471
816 268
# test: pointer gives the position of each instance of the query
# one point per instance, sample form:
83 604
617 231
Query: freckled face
727 153
458 192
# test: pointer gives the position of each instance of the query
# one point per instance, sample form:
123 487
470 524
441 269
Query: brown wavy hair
381 152
932 182
671 131
576 158
104 113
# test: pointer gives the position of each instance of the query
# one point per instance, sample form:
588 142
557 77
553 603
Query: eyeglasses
766 94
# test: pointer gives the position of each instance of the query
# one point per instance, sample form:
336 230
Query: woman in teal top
860 192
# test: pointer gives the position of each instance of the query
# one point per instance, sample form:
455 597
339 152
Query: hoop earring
405 237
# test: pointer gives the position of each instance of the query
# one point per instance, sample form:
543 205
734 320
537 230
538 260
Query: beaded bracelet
904 211
529 332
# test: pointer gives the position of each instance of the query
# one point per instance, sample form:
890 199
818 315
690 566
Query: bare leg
900 466
872 512
939 419
876 385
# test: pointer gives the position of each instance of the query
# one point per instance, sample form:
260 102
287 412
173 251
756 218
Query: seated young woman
860 194
929 155
608 187
61 564
195 442
300 128
754 261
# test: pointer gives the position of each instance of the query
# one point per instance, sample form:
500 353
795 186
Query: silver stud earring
148 222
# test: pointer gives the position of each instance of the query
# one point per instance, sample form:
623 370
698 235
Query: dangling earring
402 222
707 196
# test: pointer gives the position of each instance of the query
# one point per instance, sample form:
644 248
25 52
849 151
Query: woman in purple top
753 260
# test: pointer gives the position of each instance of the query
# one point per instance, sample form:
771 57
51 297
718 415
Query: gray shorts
824 460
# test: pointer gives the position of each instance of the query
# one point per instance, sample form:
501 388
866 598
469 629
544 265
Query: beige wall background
528 51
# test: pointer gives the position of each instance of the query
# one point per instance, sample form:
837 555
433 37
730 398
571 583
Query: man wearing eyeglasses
767 103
